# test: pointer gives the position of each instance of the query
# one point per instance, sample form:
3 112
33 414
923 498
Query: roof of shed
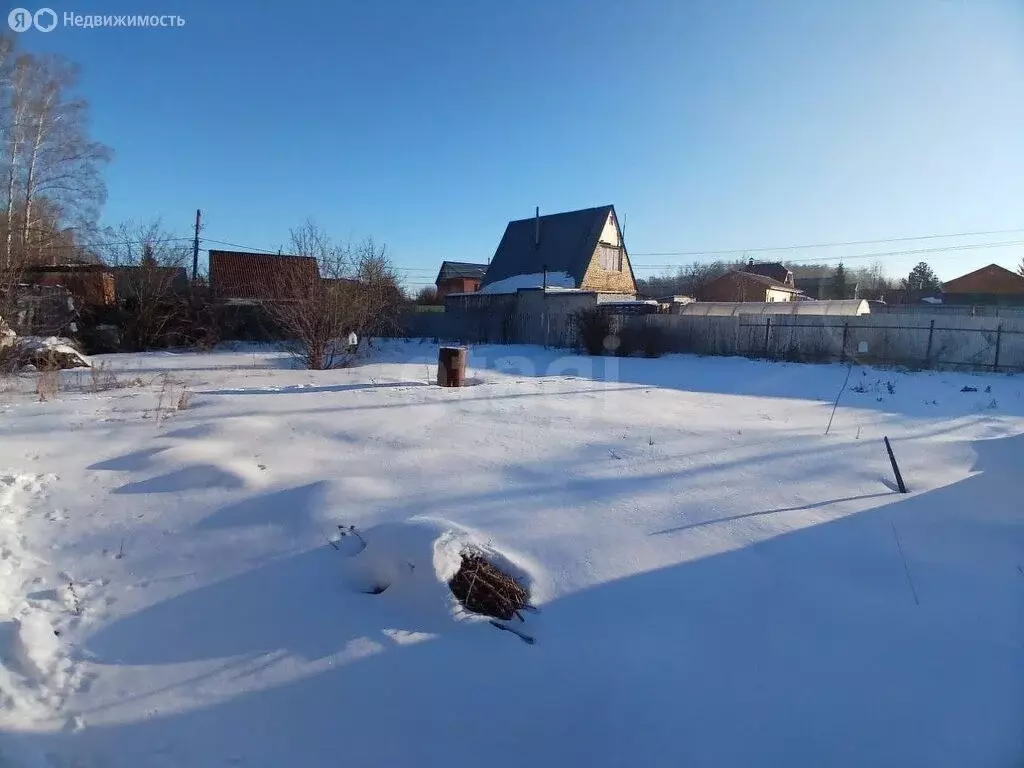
567 244
991 279
261 276
850 307
767 282
773 269
454 269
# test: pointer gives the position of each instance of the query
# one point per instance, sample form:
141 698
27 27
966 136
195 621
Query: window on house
611 257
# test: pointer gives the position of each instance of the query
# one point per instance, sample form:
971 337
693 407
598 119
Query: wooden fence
915 340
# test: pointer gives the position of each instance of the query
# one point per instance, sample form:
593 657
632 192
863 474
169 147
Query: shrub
653 341
593 328
648 340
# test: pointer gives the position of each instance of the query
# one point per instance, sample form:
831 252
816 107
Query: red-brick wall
457 285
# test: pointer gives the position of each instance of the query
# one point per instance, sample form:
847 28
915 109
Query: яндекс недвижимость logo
22 19
46 20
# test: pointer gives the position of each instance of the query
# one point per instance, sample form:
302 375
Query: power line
86 246
776 248
238 245
425 270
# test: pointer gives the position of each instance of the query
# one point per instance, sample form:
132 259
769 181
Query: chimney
536 229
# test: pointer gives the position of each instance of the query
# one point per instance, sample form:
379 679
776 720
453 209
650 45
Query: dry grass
102 378
167 403
47 384
184 400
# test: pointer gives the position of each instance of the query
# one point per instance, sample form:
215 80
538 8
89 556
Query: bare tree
427 296
15 110
327 291
61 164
51 185
378 297
688 280
152 286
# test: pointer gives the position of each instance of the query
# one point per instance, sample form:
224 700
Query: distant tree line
840 282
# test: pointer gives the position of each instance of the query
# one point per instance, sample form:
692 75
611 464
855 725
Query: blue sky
711 125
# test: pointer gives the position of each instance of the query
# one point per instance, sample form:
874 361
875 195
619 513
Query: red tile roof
261 276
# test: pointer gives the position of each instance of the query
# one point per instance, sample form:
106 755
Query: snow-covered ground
719 582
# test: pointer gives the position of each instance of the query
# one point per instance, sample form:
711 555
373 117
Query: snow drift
413 561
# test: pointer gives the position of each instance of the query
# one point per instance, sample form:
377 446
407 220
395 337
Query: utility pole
195 247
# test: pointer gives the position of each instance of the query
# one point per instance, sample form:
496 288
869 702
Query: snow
719 583
533 280
32 344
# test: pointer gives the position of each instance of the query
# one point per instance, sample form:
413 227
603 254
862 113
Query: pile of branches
482 587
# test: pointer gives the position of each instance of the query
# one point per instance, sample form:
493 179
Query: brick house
581 249
239 277
91 285
746 286
990 285
459 277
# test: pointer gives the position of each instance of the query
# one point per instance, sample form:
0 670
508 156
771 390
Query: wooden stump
451 366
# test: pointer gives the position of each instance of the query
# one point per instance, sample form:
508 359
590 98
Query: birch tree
61 163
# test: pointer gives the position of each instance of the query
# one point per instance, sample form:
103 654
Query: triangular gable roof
567 243
774 269
767 282
992 279
450 269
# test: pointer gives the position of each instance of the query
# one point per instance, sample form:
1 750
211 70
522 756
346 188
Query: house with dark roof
990 285
239 277
815 281
776 270
459 277
582 250
746 286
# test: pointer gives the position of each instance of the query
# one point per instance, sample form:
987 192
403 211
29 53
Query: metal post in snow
999 339
931 334
767 331
895 467
846 331
195 246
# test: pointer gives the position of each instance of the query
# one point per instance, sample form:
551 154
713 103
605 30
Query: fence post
767 331
846 331
999 339
928 352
